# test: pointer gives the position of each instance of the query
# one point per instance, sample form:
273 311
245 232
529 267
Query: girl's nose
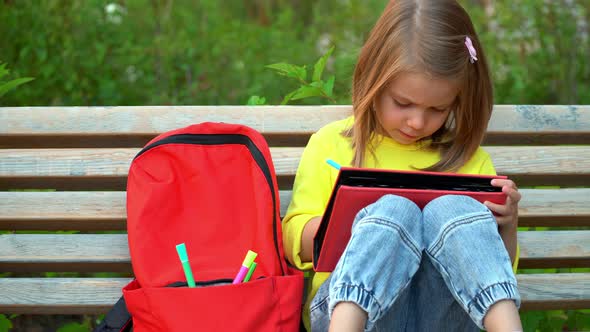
416 120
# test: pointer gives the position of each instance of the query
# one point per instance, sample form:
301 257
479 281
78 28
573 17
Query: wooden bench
82 154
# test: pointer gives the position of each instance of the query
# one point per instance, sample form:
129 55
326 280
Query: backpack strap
118 319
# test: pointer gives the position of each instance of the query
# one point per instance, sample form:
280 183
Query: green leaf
5 87
288 97
5 323
3 70
307 91
256 100
329 86
555 323
326 88
531 320
99 319
317 84
579 320
319 66
74 327
290 70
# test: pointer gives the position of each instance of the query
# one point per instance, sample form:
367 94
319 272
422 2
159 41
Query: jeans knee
391 208
453 205
438 212
394 213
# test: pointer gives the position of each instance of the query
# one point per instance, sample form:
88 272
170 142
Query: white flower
323 43
111 8
132 74
114 13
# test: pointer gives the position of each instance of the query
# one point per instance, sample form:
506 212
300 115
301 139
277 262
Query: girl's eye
439 110
397 103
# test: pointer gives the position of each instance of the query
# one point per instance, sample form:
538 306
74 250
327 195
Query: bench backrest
80 156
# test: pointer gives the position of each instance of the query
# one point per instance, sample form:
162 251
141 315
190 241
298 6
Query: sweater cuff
293 235
516 259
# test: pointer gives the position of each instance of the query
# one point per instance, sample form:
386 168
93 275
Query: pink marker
250 256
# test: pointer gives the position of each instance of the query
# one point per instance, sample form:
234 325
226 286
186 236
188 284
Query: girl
422 98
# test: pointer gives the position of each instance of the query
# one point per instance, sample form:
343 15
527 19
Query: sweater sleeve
311 192
487 167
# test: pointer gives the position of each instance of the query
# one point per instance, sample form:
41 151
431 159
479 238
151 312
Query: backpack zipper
202 283
214 282
221 139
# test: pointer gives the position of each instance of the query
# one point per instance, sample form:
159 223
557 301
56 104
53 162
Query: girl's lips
408 136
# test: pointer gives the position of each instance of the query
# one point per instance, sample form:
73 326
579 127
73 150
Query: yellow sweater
315 178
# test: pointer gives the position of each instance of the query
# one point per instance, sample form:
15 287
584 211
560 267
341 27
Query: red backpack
211 186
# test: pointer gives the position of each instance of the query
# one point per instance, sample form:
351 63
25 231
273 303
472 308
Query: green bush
212 52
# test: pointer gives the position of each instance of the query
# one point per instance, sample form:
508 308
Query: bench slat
88 252
64 253
60 295
71 169
544 249
87 210
98 295
135 125
106 210
541 291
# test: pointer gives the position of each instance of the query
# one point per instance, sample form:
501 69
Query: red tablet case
348 200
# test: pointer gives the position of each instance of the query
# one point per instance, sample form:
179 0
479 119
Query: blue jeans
439 269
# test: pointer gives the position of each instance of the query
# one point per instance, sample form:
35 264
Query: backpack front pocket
250 306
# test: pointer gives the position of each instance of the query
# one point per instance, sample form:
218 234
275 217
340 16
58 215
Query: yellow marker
250 256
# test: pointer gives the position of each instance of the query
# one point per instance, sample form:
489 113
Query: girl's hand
507 214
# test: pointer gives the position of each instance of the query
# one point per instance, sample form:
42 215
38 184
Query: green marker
250 272
186 266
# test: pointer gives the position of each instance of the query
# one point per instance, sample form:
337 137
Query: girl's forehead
423 89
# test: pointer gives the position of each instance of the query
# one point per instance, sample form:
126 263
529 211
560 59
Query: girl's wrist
508 228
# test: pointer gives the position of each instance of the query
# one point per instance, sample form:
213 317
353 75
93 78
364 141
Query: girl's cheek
388 120
384 121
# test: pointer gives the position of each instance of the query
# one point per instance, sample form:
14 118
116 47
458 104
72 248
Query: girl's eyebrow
398 96
410 101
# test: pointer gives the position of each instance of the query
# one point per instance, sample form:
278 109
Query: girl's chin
402 138
398 136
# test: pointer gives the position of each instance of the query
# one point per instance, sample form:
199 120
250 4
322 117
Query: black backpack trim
118 319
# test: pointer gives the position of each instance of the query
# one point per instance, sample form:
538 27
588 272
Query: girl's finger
504 182
513 195
497 208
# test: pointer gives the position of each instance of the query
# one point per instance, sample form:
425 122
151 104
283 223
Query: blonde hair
424 36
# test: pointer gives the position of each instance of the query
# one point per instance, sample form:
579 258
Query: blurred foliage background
211 52
199 52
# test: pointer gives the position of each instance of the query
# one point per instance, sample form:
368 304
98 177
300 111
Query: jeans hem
363 298
480 305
